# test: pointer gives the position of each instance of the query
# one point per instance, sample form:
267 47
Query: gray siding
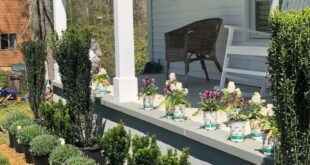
167 15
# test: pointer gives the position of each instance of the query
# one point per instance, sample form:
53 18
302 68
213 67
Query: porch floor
196 86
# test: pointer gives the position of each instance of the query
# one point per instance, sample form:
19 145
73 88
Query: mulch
9 153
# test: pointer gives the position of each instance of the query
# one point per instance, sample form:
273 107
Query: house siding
167 15
13 19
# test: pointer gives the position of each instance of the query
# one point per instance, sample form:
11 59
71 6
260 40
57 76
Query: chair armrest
247 30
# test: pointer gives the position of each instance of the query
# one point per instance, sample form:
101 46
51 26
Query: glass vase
210 118
268 148
179 113
148 102
237 131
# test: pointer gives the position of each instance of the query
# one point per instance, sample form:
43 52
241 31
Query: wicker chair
193 42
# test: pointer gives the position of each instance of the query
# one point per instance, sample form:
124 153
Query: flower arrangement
237 120
256 107
175 95
232 96
148 91
100 75
149 87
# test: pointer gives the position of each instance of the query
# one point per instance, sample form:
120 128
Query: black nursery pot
19 148
40 160
94 153
28 155
11 140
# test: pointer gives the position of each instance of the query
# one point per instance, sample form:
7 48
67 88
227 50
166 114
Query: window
8 41
260 11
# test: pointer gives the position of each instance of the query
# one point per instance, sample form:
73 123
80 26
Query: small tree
289 66
35 57
71 54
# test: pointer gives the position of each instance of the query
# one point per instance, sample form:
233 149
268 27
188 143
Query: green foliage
115 143
43 145
24 122
26 134
171 158
13 117
144 151
237 114
289 65
3 79
35 56
63 153
56 119
4 161
80 161
71 54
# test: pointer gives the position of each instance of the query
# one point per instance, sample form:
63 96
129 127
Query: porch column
60 24
125 83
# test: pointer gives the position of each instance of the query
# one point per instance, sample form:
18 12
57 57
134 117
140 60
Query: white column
125 82
60 24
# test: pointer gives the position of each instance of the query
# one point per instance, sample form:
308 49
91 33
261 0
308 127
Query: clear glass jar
148 102
179 112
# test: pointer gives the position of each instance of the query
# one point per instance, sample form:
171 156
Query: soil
13 157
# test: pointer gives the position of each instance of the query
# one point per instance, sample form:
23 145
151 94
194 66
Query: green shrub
24 122
3 79
13 117
26 134
80 161
4 161
35 56
171 158
56 119
289 65
43 145
144 151
63 153
71 54
115 143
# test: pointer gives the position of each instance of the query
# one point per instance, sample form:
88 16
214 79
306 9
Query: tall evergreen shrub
71 54
35 57
289 68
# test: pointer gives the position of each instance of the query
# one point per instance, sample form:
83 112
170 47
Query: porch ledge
218 139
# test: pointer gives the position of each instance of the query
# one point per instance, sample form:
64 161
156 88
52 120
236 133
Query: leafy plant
237 115
256 107
35 56
26 134
43 145
289 66
100 75
77 160
210 101
22 123
13 117
115 143
149 87
3 79
171 158
3 160
184 157
232 97
56 118
71 54
64 152
144 151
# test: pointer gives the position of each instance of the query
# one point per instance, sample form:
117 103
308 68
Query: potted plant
115 143
148 91
256 116
270 128
77 160
25 135
237 121
175 99
64 152
210 104
101 81
16 127
41 146
10 119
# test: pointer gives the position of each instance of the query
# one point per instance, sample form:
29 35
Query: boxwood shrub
43 145
13 128
26 134
77 160
63 152
13 117
4 161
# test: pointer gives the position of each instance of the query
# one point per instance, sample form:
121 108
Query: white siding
167 15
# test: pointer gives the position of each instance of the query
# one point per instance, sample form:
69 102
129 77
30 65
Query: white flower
270 110
256 98
102 71
186 91
264 111
173 87
179 86
172 77
231 87
238 91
